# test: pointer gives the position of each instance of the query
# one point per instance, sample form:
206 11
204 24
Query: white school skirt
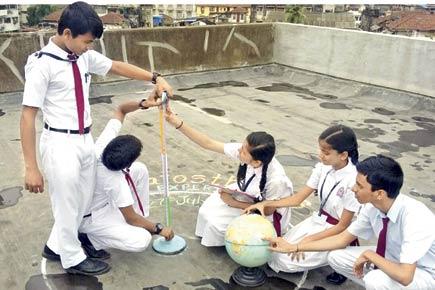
282 262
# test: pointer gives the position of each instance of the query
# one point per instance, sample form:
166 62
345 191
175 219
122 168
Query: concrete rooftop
295 106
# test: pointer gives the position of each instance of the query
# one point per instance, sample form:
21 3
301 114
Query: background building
267 12
175 11
9 18
230 13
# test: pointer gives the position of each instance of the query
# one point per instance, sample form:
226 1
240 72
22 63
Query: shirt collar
338 174
53 48
393 212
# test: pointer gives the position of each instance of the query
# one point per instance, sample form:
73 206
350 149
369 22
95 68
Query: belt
90 214
333 221
67 131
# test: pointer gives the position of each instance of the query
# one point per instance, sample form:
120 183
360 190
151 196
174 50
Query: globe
244 240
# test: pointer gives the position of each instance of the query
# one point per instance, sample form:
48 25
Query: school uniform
410 238
334 191
68 160
214 215
105 225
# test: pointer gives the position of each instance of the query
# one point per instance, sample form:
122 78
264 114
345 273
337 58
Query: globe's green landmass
244 240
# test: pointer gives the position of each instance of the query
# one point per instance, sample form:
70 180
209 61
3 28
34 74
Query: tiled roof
112 18
409 21
53 17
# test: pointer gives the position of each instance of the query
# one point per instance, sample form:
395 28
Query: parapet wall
392 61
167 50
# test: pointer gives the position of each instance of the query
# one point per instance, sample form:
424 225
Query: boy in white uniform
118 211
404 257
57 82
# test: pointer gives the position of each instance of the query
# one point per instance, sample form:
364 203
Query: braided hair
342 139
261 147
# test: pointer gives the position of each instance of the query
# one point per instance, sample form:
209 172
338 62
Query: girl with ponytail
260 175
332 179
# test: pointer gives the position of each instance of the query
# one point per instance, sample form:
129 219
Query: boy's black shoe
336 279
49 254
89 267
90 251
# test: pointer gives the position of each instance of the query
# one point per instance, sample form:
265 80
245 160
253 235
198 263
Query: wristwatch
159 228
141 104
155 76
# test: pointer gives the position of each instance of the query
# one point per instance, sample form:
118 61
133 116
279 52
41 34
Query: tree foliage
36 13
295 13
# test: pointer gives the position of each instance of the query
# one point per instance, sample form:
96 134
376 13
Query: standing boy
57 82
404 257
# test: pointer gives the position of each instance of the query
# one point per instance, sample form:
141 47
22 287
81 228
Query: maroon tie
131 184
382 240
79 92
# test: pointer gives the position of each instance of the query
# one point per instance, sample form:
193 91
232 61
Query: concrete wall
167 50
392 61
386 60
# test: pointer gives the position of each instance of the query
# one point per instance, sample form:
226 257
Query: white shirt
278 185
110 186
50 85
410 234
342 197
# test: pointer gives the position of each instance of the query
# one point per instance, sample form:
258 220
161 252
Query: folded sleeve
37 76
313 181
232 150
362 226
98 63
110 131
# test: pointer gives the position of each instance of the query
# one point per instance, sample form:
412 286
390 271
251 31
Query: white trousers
283 262
107 228
214 216
343 260
68 162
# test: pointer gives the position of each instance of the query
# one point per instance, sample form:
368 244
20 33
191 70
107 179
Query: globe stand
249 277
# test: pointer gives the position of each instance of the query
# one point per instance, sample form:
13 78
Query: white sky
105 2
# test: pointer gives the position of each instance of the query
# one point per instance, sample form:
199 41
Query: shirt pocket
86 79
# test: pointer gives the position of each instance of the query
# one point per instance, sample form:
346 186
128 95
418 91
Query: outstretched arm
130 106
199 138
133 72
339 241
137 220
269 206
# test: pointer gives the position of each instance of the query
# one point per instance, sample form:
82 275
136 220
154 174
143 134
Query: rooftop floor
294 106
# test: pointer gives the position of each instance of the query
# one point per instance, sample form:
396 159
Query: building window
212 9
234 16
8 20
15 20
241 16
202 10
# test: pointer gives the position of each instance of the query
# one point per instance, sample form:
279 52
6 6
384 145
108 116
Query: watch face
159 228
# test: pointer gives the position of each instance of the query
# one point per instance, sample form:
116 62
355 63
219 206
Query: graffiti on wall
151 45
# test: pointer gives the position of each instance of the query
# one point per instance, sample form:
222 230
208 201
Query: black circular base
249 277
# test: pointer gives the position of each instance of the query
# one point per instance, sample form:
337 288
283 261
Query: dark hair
80 18
261 148
121 152
382 173
342 138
